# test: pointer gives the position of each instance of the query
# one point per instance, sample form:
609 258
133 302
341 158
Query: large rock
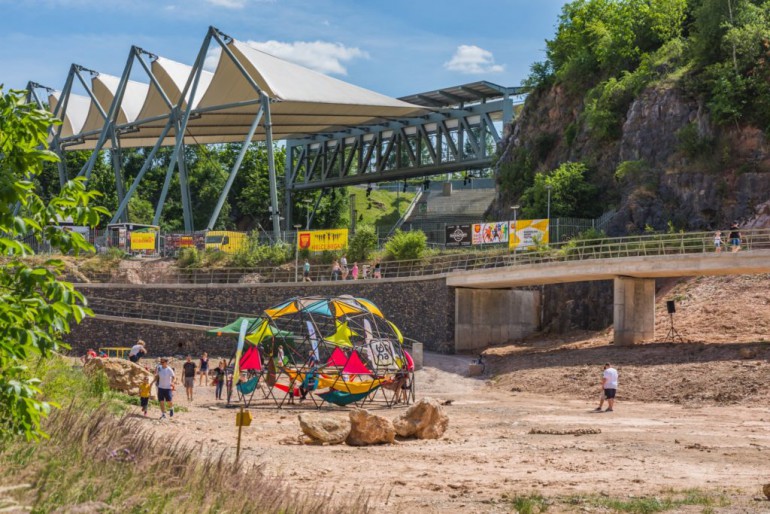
324 428
425 420
122 375
367 428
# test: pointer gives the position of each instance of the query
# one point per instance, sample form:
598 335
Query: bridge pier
634 310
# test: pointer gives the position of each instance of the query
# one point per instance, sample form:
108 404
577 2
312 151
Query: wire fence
162 312
575 250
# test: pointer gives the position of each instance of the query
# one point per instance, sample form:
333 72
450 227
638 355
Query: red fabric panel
251 359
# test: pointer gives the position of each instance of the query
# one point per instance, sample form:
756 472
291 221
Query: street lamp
296 253
515 210
548 188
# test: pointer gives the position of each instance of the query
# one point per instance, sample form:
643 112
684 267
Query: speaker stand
673 334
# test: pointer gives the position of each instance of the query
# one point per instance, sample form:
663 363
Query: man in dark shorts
165 378
189 377
609 388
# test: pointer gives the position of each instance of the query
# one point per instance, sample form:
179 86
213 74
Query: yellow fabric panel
397 331
341 308
369 305
289 309
337 383
262 332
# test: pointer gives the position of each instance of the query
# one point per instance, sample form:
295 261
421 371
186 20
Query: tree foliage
571 194
36 307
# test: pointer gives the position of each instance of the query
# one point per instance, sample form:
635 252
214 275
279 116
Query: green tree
35 306
571 194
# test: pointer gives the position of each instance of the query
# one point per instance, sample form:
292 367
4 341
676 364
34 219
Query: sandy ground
643 447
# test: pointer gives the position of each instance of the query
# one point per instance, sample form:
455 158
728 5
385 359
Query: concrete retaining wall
493 316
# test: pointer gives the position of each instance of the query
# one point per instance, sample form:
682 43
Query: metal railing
162 312
575 250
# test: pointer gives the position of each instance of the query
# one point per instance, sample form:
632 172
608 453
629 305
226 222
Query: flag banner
321 240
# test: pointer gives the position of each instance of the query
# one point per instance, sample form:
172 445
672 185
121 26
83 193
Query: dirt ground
692 415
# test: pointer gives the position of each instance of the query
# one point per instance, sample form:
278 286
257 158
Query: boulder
766 490
425 420
324 428
122 375
367 428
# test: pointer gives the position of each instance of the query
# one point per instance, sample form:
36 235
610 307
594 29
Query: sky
397 48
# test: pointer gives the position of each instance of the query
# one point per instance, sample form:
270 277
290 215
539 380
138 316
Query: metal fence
162 312
575 250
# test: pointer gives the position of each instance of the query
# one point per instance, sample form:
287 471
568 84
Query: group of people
341 271
734 239
165 378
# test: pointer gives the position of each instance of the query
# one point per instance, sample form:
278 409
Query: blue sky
396 47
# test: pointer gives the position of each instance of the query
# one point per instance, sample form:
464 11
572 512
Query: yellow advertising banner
142 241
527 233
320 240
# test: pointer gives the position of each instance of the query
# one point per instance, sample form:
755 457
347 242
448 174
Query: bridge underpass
634 281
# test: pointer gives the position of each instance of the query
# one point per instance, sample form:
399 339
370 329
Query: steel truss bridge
331 141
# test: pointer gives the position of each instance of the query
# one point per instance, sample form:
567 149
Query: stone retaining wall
422 309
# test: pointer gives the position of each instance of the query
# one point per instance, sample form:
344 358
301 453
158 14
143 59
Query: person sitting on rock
137 351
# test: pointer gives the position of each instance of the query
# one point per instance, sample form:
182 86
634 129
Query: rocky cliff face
686 171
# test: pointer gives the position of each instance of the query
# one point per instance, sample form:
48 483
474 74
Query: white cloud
228 4
212 58
322 56
471 59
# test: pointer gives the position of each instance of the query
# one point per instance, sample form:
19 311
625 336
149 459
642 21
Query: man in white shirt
137 351
609 386
166 379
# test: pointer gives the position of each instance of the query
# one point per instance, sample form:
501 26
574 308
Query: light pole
548 188
515 210
296 253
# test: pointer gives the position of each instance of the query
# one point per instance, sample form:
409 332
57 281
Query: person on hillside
735 237
609 386
90 354
220 375
377 271
137 351
144 394
166 378
189 368
204 369
718 242
306 272
354 271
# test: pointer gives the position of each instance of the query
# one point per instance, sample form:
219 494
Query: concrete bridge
634 278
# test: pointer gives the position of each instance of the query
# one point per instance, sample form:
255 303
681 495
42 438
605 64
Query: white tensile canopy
303 102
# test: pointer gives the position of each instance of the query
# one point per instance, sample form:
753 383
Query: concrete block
475 370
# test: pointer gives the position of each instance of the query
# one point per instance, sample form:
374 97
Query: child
144 393
718 241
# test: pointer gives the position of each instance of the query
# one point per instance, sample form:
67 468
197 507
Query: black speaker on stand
673 334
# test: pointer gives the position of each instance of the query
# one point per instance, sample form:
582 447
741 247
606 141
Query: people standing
189 377
306 272
166 378
609 386
354 271
137 351
344 267
336 270
144 393
735 237
204 369
718 242
220 375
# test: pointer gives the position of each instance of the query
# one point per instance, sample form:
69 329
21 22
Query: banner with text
321 240
490 233
458 235
527 233
142 241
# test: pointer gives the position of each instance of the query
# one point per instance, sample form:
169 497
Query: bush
255 254
188 258
407 245
362 244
